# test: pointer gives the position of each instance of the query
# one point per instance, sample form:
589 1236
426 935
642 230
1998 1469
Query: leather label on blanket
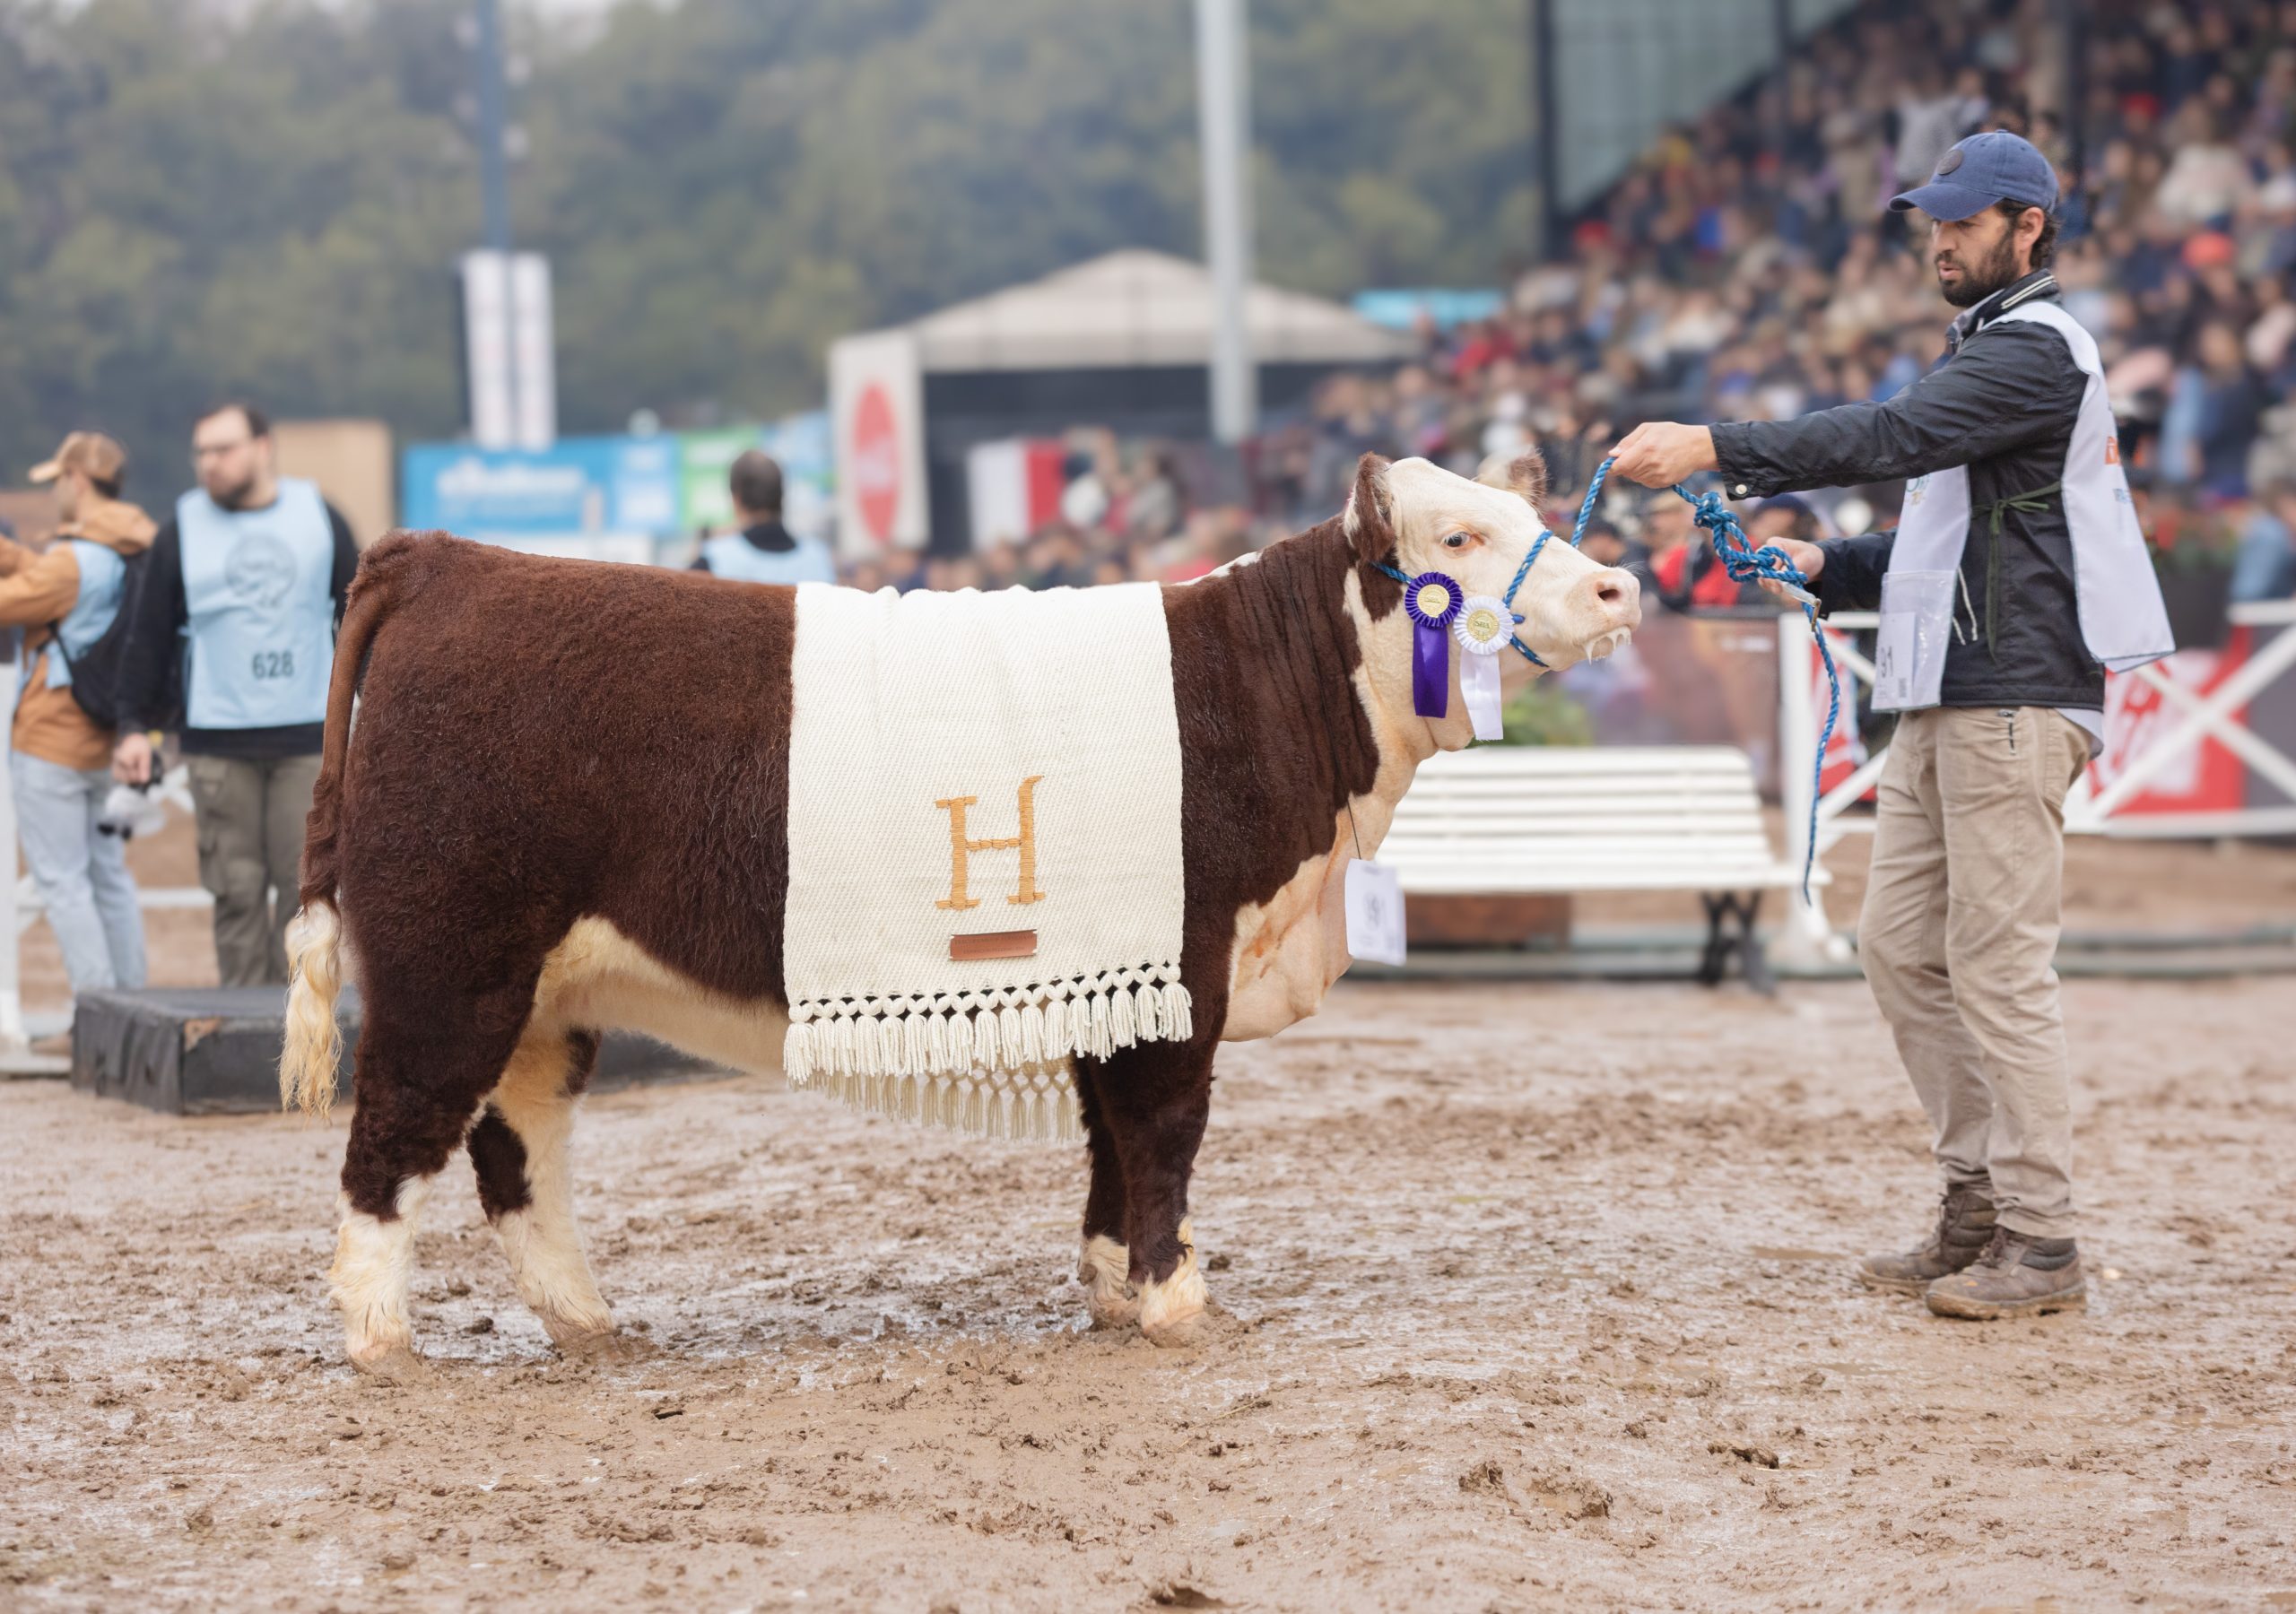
994 944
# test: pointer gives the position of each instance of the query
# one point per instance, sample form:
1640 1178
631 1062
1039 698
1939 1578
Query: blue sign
581 485
1400 309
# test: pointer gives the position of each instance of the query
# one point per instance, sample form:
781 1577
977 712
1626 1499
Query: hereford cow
563 810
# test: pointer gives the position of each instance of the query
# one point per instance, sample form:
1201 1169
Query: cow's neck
1332 644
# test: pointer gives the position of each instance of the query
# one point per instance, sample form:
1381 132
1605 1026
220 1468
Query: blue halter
1513 589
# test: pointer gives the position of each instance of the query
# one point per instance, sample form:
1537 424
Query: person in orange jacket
60 768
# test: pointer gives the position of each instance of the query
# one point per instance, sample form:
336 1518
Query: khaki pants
1959 940
250 844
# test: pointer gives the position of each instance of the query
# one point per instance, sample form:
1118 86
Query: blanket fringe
1002 1072
1010 1038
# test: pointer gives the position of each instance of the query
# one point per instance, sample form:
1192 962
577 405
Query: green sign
705 460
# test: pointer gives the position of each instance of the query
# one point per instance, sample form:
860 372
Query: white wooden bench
1502 819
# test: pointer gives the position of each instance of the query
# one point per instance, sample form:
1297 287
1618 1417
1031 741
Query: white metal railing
2088 811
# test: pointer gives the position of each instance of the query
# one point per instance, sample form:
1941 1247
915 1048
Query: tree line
205 198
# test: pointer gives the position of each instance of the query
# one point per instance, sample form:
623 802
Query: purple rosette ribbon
1433 601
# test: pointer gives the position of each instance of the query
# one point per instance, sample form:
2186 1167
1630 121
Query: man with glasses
232 640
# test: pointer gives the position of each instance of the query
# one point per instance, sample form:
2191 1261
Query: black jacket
150 662
2004 404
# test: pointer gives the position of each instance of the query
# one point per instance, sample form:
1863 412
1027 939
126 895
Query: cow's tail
314 1045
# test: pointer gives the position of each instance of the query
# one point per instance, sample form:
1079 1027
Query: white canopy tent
1123 339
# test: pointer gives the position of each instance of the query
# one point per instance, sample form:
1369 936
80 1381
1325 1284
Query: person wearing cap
2016 577
64 598
763 551
238 611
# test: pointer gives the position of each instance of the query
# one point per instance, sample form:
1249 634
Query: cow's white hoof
1112 1300
391 1364
1169 1311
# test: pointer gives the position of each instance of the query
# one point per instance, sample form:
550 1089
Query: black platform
215 1051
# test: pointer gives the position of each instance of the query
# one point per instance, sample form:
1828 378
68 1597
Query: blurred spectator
1745 269
2265 568
761 550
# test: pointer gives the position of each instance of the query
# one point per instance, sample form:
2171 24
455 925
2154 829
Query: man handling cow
2017 575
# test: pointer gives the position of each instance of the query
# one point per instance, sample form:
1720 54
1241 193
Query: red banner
1846 754
2202 776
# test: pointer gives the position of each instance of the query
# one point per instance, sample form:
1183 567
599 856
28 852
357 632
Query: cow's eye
1456 540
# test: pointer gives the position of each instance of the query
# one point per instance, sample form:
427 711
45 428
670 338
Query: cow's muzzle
1609 602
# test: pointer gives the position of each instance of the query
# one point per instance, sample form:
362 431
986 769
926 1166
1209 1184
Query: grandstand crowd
1748 268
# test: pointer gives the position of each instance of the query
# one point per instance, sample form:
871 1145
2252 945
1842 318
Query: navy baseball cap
1981 171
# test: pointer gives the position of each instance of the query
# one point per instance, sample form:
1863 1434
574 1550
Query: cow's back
540 741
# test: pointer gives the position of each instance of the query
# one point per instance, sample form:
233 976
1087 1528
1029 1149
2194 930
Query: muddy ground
1535 1297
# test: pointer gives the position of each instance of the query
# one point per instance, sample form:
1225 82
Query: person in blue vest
763 551
237 611
65 598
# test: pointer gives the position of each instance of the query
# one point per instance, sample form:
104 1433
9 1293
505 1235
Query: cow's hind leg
422 1069
1106 1265
518 1149
1154 1098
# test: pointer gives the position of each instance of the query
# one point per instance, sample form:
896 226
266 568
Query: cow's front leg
1105 1267
1156 1098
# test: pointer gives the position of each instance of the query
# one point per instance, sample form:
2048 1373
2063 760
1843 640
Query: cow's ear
1524 474
1370 519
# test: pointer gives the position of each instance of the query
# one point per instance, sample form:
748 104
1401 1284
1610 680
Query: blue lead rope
1746 564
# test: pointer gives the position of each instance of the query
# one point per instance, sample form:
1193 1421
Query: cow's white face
1477 533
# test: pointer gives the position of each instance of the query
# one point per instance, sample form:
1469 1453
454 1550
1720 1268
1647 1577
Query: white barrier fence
2187 719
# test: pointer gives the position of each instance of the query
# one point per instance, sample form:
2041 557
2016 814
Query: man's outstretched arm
2011 383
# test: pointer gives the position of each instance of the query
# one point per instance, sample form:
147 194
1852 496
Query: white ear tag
1374 913
1482 627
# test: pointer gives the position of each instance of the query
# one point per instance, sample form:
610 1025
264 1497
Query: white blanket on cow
963 765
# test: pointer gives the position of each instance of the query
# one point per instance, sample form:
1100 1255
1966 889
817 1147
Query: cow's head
1425 518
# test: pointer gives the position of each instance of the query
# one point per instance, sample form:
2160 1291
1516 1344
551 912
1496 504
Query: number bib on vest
258 593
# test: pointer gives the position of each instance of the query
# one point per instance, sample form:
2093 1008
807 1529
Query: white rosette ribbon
1482 627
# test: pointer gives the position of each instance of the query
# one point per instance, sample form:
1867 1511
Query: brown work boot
2018 1275
1965 1223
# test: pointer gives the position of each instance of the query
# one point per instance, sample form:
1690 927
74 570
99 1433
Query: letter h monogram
959 847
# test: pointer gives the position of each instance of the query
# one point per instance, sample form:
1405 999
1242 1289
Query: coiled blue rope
1746 564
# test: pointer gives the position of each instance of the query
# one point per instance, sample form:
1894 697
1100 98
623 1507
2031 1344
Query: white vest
2123 621
258 589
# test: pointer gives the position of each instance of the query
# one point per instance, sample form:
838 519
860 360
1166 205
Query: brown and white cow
564 810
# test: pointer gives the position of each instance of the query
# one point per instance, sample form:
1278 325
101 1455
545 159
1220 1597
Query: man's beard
235 498
1981 281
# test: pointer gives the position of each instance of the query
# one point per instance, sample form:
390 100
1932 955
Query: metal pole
1223 113
494 186
1542 80
493 168
1808 937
